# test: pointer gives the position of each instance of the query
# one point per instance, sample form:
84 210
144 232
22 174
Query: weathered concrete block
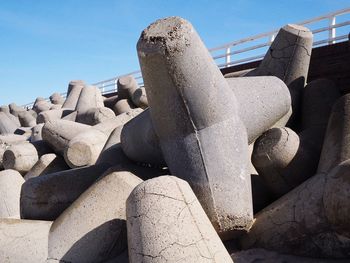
190 104
6 109
51 115
23 240
110 101
56 107
10 188
312 220
36 133
140 142
56 99
84 148
93 228
263 102
126 87
26 119
335 148
58 133
73 93
7 126
139 98
14 109
123 106
20 157
47 163
95 116
41 105
90 97
288 58
284 160
46 197
165 222
109 125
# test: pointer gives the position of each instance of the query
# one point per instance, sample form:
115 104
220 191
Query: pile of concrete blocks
193 167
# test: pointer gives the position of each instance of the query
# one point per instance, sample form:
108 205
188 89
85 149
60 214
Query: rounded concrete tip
167 32
298 30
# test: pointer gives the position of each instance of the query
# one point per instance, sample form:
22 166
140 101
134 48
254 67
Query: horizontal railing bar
242 60
330 39
242 50
330 27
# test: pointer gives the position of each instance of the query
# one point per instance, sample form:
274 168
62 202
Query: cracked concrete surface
311 220
93 228
23 240
166 223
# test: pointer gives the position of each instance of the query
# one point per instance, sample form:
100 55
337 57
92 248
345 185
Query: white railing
327 29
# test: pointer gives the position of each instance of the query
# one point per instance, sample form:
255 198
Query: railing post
228 56
115 85
331 32
272 38
103 88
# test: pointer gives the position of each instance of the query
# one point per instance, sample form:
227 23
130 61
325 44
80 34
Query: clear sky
46 43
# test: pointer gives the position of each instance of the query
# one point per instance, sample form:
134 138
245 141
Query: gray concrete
95 116
312 220
26 119
288 58
284 160
90 97
126 87
110 101
84 148
7 126
190 104
14 109
319 97
336 143
51 115
140 142
93 228
36 133
10 188
56 99
74 89
166 223
46 197
41 105
23 240
58 133
47 163
20 157
123 106
263 102
139 98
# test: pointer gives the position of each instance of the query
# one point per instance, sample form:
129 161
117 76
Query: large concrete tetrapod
195 116
166 223
73 93
288 58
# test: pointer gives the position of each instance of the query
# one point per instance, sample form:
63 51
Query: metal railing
325 29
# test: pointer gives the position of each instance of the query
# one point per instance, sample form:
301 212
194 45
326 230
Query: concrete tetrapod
73 93
93 228
26 119
311 220
10 188
7 126
122 106
23 240
284 160
46 197
95 116
50 115
190 104
166 223
85 148
336 143
263 103
56 99
139 98
20 157
127 85
58 133
288 58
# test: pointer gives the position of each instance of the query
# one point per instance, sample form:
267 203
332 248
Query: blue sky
45 44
